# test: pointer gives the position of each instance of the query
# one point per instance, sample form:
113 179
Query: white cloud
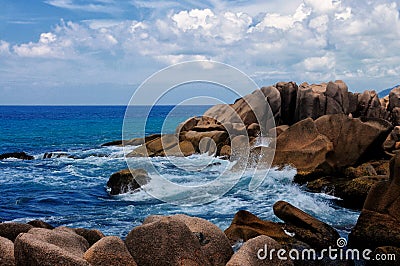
279 21
4 48
98 6
194 19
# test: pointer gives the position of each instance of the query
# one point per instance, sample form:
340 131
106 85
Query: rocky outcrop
110 250
249 254
126 181
16 155
329 144
379 222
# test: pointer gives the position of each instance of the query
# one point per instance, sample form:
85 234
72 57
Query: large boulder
110 250
12 230
220 138
256 252
394 98
308 229
352 138
214 243
165 242
379 221
6 252
302 146
40 224
50 247
126 180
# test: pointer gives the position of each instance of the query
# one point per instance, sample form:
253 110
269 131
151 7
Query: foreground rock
126 181
110 250
214 243
146 244
16 155
379 221
6 252
247 254
50 247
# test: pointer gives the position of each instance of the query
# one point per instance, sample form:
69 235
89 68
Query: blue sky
98 52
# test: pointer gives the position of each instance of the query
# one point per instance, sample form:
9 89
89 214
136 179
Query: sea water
69 188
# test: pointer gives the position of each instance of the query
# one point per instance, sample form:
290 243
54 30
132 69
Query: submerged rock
126 181
16 155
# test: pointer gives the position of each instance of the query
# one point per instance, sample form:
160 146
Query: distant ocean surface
72 191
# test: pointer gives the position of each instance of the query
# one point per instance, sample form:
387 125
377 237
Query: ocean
69 189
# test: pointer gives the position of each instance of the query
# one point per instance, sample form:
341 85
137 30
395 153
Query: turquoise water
72 191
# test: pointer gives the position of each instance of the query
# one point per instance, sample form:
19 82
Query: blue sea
69 189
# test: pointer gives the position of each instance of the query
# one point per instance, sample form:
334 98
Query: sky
98 52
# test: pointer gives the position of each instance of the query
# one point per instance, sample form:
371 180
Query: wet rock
91 235
12 230
365 169
165 242
225 151
185 148
248 253
41 224
355 192
246 225
214 243
125 181
6 252
110 250
112 143
308 229
16 155
253 130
